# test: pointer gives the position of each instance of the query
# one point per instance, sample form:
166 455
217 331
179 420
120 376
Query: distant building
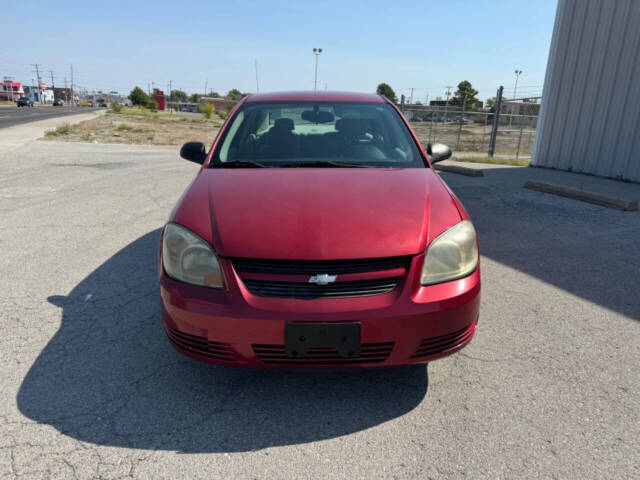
10 90
31 93
526 106
220 103
46 96
443 103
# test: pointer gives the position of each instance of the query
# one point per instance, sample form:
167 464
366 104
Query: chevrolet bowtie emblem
322 279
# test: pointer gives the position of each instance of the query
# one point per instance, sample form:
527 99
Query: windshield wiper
239 164
322 164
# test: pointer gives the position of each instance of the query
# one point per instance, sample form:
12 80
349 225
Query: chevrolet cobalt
317 234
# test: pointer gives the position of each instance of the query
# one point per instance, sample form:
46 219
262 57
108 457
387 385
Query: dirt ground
141 129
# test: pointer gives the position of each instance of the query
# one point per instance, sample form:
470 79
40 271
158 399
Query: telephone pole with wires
36 65
53 85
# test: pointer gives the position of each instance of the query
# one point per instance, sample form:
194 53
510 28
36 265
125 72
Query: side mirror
194 152
438 152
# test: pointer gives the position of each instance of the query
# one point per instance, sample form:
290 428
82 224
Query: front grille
435 345
200 345
369 353
314 267
362 288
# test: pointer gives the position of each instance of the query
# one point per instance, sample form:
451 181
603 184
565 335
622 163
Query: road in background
10 116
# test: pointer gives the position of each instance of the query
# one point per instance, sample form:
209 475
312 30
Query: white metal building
590 113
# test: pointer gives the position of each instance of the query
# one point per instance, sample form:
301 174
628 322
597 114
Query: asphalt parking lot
548 388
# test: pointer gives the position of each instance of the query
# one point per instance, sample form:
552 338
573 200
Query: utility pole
73 98
171 108
53 85
206 80
411 98
515 89
66 94
496 116
38 76
316 52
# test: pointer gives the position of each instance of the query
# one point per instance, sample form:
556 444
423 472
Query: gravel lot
549 388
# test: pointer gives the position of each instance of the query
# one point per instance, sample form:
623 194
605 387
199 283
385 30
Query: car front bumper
410 325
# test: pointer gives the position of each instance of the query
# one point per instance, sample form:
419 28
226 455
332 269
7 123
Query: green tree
490 107
178 96
195 97
387 91
234 94
139 97
213 94
465 95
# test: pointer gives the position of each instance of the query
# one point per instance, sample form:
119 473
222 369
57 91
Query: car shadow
587 250
110 377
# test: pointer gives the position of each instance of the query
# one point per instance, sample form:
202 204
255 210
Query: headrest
350 126
283 124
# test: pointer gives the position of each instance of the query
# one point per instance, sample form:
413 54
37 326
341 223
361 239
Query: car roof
311 96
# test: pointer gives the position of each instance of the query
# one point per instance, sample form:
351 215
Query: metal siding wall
590 113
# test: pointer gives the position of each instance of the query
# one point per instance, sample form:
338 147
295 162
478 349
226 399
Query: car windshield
317 134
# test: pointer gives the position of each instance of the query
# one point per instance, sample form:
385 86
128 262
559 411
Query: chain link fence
469 131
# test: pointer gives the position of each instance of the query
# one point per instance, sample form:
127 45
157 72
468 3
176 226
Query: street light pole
515 90
316 52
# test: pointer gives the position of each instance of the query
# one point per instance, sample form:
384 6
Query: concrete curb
583 196
470 172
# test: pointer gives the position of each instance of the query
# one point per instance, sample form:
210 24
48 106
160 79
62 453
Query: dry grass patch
520 162
139 126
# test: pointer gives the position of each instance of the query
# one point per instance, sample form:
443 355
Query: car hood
317 213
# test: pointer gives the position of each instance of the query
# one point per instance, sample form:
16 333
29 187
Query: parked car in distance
317 234
460 119
25 102
58 103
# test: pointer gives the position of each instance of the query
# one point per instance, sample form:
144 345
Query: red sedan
316 234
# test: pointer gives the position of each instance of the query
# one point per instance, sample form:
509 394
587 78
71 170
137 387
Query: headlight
452 255
188 258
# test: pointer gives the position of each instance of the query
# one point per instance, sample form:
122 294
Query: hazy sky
426 44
